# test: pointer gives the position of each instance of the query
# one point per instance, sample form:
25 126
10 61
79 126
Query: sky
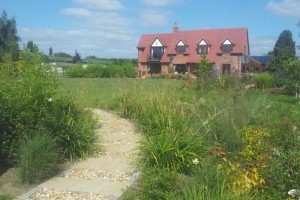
112 28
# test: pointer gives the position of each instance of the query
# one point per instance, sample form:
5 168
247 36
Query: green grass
97 92
5 197
39 156
181 123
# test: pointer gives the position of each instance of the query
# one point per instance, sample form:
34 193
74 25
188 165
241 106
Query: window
157 52
181 49
203 49
227 48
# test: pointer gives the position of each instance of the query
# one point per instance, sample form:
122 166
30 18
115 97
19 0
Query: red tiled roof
191 38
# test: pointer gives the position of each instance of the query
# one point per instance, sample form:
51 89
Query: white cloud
285 8
100 4
95 32
101 43
76 12
155 18
261 45
161 2
100 29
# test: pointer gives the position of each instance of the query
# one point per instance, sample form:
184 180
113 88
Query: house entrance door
226 69
155 68
181 69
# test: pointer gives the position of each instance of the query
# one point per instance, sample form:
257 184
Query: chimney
175 28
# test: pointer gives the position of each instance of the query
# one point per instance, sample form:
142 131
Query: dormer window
203 47
227 46
157 50
180 47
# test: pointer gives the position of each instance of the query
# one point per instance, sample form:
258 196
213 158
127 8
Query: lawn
98 92
221 142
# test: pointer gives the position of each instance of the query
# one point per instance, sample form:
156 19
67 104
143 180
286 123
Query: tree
204 70
76 57
284 50
8 37
32 47
62 54
50 51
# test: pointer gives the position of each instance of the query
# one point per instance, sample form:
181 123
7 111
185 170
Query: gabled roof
203 42
157 42
180 43
192 38
227 41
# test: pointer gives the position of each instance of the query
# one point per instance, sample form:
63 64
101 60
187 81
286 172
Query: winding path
103 177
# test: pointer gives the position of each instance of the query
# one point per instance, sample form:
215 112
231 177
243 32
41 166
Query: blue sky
112 28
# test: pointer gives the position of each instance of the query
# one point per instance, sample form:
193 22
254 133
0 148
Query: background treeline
123 70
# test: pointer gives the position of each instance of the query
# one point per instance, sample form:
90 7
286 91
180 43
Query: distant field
96 92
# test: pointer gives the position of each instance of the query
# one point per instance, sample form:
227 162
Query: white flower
196 161
294 193
50 99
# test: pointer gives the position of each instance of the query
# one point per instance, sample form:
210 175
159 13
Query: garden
224 142
210 138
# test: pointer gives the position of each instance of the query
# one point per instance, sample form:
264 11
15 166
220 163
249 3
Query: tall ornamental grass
38 156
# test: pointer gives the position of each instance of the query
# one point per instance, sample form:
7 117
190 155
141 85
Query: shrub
32 101
124 70
38 157
263 80
72 126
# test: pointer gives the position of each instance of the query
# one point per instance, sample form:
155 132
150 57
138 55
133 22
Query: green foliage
252 136
5 197
174 151
285 45
32 47
102 71
209 183
31 100
50 51
284 50
154 184
72 126
169 142
76 57
263 80
204 71
292 69
8 37
62 54
281 170
38 157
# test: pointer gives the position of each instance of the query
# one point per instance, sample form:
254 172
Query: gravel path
103 177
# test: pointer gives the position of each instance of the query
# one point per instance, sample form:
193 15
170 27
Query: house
180 51
263 60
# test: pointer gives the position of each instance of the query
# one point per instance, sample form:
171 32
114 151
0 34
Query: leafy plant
175 151
33 101
154 184
38 157
72 126
264 80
